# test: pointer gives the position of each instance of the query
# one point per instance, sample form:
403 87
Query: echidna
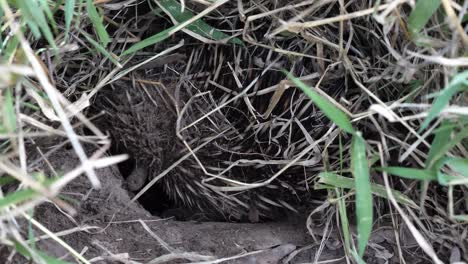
239 145
143 120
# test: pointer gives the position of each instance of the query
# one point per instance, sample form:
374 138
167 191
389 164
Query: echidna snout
137 178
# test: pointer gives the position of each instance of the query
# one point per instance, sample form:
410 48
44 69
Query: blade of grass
80 6
343 220
49 14
101 49
457 138
173 9
420 15
11 48
364 206
69 8
149 41
459 165
9 116
17 197
458 83
35 18
331 111
6 180
97 22
57 6
447 180
441 138
158 37
327 179
32 26
411 173
450 180
342 205
461 218
357 257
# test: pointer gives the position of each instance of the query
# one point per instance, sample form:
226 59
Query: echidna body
143 121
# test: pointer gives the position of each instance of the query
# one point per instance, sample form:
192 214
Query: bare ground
111 230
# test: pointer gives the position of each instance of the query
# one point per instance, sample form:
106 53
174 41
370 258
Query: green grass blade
80 6
457 138
28 19
331 111
459 165
458 83
11 48
461 218
69 8
173 9
9 116
360 170
344 219
411 173
422 12
17 197
446 179
6 180
35 18
441 138
34 28
101 49
356 257
57 6
49 14
149 41
327 179
97 22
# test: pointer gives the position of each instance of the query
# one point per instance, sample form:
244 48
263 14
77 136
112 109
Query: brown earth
114 231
